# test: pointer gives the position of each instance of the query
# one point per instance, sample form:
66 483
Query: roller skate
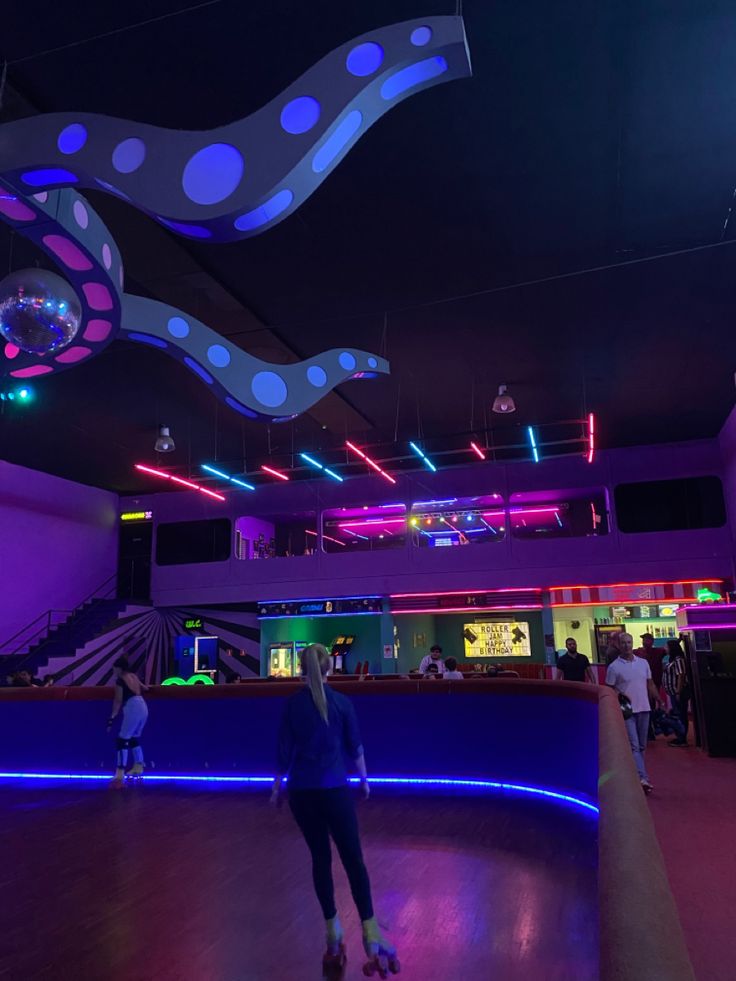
118 780
135 773
382 957
646 787
334 962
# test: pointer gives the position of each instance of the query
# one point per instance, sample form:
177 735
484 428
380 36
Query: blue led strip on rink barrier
449 783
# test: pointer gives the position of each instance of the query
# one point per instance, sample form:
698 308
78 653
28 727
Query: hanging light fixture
164 443
503 403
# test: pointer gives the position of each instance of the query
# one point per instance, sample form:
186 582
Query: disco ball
39 311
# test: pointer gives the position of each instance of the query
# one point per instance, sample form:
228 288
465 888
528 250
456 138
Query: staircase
45 639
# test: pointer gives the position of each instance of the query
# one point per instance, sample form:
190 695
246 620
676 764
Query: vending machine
283 658
339 651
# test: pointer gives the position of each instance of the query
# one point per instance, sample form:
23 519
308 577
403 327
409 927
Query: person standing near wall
676 682
319 730
574 666
632 677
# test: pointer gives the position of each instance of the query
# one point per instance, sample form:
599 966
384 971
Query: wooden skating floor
161 883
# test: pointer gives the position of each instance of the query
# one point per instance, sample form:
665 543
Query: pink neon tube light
275 473
326 538
179 480
477 450
468 592
372 522
371 463
591 437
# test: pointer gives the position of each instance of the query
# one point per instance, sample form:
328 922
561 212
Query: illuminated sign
706 595
194 624
668 611
136 515
506 638
350 605
196 679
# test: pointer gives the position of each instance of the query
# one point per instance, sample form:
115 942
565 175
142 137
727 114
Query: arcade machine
195 655
283 658
339 651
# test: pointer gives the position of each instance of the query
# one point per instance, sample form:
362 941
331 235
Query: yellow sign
136 515
508 638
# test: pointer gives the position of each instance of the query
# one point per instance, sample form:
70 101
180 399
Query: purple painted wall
615 557
58 543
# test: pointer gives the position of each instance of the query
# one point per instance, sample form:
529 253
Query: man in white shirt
434 657
632 676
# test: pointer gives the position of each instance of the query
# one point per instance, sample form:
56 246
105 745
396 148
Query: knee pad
123 743
132 743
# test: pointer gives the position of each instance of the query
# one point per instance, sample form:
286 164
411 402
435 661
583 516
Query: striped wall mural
145 635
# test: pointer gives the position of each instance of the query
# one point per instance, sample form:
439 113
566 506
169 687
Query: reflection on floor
693 806
164 884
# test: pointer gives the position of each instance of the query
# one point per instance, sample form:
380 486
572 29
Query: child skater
128 689
319 730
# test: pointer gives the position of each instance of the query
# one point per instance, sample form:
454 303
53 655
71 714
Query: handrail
47 615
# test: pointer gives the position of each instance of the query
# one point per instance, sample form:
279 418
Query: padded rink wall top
513 731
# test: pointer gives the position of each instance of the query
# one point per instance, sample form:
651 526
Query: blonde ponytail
315 660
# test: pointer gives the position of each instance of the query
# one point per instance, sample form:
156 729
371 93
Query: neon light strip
493 514
274 473
314 463
356 535
708 626
326 538
436 782
312 616
464 592
423 456
533 441
669 582
427 504
371 463
317 599
178 480
224 476
631 599
702 606
477 450
591 437
546 510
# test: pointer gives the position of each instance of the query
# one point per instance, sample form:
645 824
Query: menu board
506 638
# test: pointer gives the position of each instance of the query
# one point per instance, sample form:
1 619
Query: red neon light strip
179 480
591 437
476 449
275 473
326 538
371 463
617 585
631 599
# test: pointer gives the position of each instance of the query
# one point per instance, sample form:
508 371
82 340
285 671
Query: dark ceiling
590 135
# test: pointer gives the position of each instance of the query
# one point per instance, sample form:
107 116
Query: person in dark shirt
319 732
654 656
574 666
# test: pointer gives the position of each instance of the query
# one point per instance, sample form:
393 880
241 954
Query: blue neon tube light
533 441
423 457
450 783
315 463
225 476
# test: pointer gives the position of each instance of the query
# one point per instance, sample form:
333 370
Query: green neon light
706 595
196 679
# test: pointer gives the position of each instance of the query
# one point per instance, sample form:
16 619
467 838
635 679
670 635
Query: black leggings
322 814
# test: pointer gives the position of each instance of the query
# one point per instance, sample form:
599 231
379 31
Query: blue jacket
312 753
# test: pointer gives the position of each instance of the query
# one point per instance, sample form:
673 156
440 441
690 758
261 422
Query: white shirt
630 678
430 660
453 675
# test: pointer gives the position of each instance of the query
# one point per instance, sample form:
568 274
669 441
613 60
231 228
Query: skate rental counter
563 745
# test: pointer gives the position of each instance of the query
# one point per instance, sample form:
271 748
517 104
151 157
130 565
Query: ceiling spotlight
503 403
164 443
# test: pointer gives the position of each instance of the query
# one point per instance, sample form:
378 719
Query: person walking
631 676
676 683
574 666
128 697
